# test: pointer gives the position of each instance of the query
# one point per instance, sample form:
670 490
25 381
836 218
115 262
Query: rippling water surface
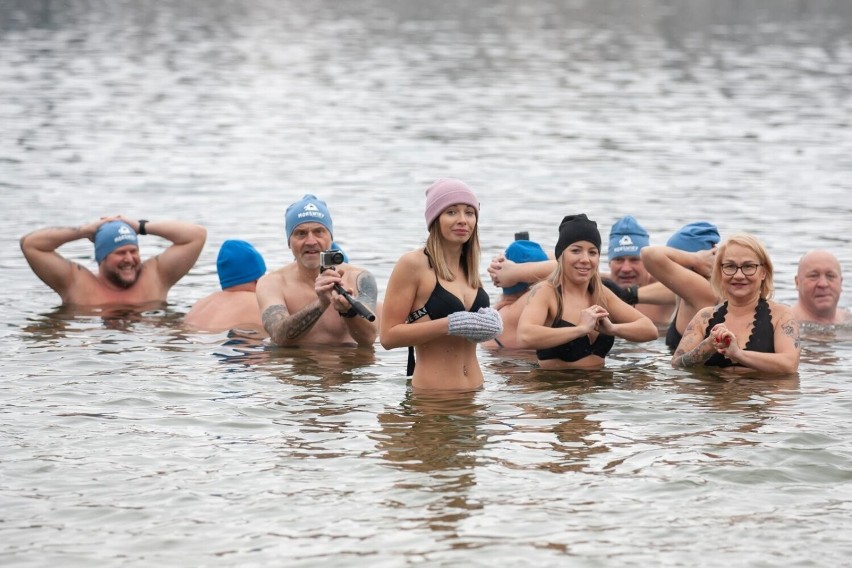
128 441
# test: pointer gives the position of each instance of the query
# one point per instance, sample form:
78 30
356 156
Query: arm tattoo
366 289
701 352
283 327
791 329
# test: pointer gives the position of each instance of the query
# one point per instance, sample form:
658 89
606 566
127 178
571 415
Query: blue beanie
110 236
238 262
520 252
626 238
309 209
694 237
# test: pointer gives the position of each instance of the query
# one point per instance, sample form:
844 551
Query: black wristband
350 314
142 230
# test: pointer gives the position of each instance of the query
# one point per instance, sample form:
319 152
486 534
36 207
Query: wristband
142 230
350 314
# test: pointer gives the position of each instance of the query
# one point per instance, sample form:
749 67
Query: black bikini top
577 348
442 303
673 336
761 340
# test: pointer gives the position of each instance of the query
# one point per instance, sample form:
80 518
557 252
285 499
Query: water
128 441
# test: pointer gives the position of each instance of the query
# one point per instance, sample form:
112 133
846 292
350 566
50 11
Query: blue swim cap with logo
309 209
626 238
110 236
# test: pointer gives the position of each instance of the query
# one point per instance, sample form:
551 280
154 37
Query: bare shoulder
413 260
781 311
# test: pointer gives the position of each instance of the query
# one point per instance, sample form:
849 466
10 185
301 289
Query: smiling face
457 223
742 272
819 282
307 242
580 261
628 271
122 266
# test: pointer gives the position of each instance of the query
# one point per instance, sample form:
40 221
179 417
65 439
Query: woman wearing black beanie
571 319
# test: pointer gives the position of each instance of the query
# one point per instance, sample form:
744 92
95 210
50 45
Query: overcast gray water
128 441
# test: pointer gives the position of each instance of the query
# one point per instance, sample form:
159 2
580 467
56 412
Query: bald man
819 282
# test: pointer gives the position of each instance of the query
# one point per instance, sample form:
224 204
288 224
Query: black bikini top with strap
440 304
577 348
761 340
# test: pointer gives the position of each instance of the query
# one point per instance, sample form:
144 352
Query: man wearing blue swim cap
239 266
300 303
122 278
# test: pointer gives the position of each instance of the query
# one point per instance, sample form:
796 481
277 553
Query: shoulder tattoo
791 330
366 289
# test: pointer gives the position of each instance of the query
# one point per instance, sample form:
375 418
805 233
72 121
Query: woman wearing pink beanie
434 302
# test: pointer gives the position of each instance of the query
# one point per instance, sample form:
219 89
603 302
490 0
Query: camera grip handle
362 310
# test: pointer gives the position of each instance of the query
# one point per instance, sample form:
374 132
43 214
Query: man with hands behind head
298 302
122 277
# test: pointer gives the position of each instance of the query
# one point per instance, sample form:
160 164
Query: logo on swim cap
625 241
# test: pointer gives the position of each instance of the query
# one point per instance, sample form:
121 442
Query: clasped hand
476 326
324 288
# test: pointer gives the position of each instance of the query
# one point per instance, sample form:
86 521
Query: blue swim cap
309 209
112 235
520 252
694 237
238 263
626 238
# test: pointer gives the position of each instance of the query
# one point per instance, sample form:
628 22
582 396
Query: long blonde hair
470 255
767 286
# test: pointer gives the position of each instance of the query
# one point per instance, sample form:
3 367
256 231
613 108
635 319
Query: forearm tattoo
701 352
283 327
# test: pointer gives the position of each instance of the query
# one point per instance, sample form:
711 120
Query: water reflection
440 435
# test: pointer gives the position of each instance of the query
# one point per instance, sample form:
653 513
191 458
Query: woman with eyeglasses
747 329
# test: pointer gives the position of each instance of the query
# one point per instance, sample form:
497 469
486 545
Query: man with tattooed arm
298 302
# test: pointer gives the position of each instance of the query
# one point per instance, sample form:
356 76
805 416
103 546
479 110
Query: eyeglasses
749 268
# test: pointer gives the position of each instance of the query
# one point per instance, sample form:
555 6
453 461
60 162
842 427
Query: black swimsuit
673 336
577 348
761 340
442 303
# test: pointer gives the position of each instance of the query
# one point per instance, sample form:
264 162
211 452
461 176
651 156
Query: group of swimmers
717 295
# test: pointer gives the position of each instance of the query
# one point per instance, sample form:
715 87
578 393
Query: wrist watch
142 230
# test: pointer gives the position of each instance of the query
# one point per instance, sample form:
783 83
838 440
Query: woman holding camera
434 303
747 329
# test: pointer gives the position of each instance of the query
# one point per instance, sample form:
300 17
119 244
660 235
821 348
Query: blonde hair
767 286
470 255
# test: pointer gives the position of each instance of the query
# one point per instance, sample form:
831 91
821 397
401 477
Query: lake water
127 441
